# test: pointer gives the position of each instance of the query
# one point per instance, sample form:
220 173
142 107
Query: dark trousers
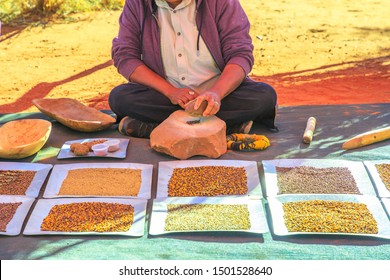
250 101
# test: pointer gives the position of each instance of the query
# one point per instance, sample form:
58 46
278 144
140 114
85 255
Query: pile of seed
208 181
7 212
188 217
306 179
329 217
89 216
384 173
102 182
15 182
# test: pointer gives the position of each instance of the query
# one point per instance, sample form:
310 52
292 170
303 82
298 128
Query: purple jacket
223 26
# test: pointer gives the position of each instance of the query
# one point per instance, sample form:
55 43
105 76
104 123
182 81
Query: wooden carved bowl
74 114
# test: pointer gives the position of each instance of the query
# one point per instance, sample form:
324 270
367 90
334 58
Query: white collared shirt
179 33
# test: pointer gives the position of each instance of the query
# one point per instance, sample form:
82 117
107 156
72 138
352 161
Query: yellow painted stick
309 131
367 138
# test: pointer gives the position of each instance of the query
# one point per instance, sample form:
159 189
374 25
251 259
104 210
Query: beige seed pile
7 212
102 182
208 181
89 216
329 217
384 173
306 179
192 217
15 182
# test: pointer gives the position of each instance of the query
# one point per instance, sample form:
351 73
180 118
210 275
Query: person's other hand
181 96
213 103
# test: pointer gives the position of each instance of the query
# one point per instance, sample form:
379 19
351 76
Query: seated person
175 51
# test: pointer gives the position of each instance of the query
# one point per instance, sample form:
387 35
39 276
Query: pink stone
177 138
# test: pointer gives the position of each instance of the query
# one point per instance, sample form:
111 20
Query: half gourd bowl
23 138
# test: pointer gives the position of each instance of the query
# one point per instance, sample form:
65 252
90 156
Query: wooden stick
309 131
367 138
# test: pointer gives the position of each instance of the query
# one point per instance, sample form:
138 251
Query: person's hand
213 103
181 96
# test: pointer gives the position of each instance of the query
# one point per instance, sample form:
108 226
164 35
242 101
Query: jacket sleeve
233 26
126 51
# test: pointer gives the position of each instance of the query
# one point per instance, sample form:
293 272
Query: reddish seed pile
15 182
89 216
7 212
208 181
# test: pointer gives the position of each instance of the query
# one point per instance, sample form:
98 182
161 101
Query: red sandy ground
366 82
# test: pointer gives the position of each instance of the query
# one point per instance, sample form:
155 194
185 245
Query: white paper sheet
378 183
372 202
15 224
357 169
40 176
386 204
121 153
165 171
60 172
160 212
43 206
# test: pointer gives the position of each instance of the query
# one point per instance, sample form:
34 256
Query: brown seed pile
15 182
384 173
184 217
89 216
306 179
208 181
102 182
7 212
329 217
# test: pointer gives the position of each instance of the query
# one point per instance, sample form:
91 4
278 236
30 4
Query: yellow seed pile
15 182
384 173
89 216
306 179
7 212
102 182
329 217
208 181
185 217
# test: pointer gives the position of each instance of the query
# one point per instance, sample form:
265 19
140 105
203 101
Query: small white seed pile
192 217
